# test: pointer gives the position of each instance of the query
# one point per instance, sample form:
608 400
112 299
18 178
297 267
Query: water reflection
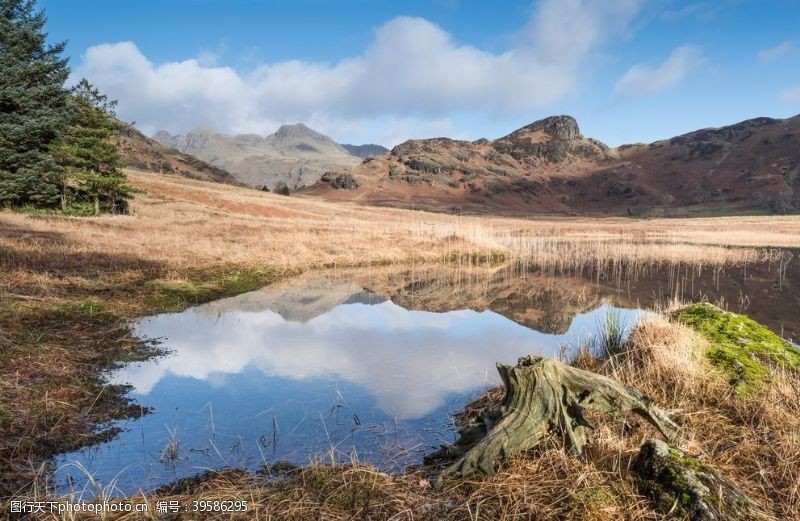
314 366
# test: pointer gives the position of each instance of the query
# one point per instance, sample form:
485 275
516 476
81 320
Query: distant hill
365 151
144 153
295 154
548 166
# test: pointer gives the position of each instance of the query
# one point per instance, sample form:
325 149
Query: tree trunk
96 205
543 398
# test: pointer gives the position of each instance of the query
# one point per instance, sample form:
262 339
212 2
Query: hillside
295 154
548 166
143 153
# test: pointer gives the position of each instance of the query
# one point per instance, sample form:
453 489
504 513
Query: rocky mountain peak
298 132
554 139
559 127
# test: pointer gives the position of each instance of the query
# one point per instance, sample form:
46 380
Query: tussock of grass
738 345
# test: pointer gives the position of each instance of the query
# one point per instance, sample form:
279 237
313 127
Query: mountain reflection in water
290 371
371 362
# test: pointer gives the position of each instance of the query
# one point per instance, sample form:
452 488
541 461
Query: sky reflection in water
256 379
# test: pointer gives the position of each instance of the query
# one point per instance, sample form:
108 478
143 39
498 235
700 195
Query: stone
682 484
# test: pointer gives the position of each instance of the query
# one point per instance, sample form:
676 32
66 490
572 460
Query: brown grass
752 441
179 222
69 286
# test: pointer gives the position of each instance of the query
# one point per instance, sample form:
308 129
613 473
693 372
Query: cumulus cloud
644 79
412 71
791 95
776 53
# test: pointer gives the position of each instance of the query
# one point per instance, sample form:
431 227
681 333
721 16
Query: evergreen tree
88 152
32 106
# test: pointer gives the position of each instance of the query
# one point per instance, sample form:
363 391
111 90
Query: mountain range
549 167
295 154
545 167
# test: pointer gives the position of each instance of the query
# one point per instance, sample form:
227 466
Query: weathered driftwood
543 398
685 486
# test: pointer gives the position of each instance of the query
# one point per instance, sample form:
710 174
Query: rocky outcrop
339 181
550 167
682 484
554 140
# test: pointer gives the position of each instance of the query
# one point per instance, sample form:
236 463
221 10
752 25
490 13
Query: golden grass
181 222
68 286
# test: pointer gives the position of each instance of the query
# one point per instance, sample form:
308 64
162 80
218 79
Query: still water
316 369
365 366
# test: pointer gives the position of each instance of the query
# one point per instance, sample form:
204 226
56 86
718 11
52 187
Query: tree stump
682 484
543 398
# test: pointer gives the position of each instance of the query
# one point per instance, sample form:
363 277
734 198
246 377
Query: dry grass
180 222
753 441
68 287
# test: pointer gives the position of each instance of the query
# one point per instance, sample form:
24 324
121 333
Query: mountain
548 166
144 153
365 151
295 154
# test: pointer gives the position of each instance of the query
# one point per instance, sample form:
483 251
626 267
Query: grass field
69 287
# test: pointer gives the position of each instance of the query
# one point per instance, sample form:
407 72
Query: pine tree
88 152
32 107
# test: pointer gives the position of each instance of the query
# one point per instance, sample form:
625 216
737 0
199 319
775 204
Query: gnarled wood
543 398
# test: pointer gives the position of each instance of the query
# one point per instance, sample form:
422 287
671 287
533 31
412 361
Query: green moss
172 294
686 461
738 345
87 306
590 500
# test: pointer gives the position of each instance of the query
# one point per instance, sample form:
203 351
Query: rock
560 127
682 484
554 140
340 181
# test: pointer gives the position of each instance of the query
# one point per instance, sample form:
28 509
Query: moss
79 307
740 346
686 487
686 461
196 288
590 500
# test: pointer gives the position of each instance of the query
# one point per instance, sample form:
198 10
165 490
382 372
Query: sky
381 71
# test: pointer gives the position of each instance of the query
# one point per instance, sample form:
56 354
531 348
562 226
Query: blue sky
381 71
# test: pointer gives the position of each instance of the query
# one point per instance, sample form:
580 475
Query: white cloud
645 79
411 362
775 53
791 95
412 75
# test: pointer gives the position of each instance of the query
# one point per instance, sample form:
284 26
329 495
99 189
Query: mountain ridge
549 166
365 151
295 154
